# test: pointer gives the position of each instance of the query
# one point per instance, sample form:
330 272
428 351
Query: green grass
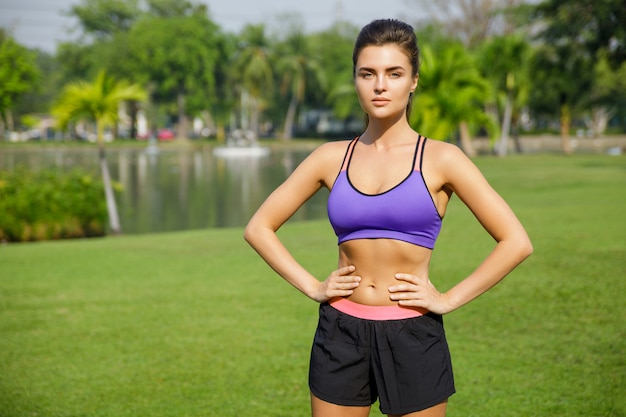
194 324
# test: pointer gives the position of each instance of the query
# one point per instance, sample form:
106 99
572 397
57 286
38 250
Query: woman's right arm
317 170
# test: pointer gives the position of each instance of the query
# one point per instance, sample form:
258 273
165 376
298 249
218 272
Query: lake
178 188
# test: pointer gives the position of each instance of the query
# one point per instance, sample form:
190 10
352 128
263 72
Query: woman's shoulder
335 145
331 150
443 151
326 159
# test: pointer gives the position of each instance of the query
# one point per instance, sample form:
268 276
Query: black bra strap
348 155
419 153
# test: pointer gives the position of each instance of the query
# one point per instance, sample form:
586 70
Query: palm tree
99 102
254 72
297 67
452 95
504 60
565 76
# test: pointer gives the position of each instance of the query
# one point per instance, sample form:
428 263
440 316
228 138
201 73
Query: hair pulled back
389 31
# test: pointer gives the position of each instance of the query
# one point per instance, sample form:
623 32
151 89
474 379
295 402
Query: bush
44 205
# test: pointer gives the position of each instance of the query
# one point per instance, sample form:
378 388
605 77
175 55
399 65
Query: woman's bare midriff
377 261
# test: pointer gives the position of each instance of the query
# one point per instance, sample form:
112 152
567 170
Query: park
126 286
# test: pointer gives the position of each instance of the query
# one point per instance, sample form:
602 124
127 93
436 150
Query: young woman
380 333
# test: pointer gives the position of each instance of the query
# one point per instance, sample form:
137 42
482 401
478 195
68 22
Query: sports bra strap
419 153
346 158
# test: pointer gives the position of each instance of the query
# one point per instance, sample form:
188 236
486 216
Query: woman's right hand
339 284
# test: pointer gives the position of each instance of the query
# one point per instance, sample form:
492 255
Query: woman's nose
381 84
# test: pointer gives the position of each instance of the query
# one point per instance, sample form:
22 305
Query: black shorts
406 363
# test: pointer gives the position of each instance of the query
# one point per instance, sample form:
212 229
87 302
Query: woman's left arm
513 245
512 242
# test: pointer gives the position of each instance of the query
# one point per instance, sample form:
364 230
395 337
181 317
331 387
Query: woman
380 333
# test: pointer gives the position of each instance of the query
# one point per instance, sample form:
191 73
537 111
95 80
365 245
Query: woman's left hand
418 292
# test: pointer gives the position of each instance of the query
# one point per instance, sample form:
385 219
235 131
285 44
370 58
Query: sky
43 23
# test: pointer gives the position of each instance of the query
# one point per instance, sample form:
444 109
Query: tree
504 61
177 57
18 75
607 95
297 69
470 21
593 25
221 110
47 87
451 95
563 76
574 33
104 18
99 102
254 73
176 8
331 49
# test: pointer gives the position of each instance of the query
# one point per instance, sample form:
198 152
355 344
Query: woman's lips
380 101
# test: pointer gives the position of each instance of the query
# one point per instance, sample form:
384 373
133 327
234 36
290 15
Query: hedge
48 204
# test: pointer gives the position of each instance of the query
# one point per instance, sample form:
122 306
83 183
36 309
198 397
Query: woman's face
384 80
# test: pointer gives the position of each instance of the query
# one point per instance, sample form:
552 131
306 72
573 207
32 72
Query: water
178 189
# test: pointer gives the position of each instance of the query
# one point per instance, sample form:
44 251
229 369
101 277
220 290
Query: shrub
47 204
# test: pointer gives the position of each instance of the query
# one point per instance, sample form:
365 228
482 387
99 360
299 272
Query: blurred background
165 83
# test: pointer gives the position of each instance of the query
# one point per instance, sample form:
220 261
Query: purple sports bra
406 212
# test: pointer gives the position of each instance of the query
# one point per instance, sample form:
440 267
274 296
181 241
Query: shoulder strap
348 155
419 153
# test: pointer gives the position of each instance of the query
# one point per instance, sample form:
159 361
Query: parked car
165 134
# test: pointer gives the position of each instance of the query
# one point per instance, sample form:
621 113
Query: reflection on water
177 189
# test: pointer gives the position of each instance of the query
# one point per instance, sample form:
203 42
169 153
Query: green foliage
297 70
564 75
504 60
609 84
297 67
451 90
194 324
45 90
176 8
591 25
252 63
190 67
18 71
177 57
47 205
103 18
98 101
333 50
578 38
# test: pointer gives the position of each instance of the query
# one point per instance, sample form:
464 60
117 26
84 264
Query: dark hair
389 31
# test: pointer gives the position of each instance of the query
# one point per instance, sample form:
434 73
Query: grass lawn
194 324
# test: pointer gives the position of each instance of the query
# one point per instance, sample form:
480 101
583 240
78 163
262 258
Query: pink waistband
366 312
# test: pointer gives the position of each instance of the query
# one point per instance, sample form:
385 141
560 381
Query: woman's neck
383 130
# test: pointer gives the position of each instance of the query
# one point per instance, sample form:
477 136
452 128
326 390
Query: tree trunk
566 120
255 115
114 220
503 144
220 132
2 125
516 138
181 131
466 140
10 121
133 109
289 119
600 117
